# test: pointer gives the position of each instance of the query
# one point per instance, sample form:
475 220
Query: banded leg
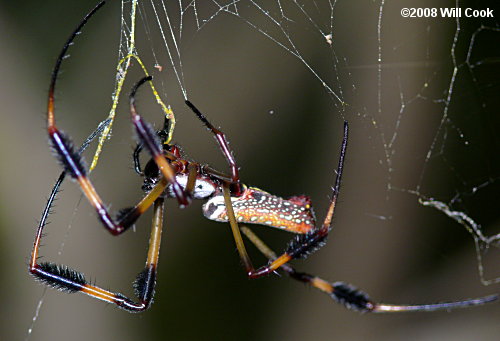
148 139
163 135
53 194
221 139
166 158
353 298
72 161
73 165
305 244
69 280
140 208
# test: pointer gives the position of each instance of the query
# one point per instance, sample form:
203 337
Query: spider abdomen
256 206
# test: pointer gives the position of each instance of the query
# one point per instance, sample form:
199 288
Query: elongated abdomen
256 206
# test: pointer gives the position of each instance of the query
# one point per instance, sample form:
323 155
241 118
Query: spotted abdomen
258 207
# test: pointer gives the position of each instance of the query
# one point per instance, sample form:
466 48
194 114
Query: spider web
453 93
423 96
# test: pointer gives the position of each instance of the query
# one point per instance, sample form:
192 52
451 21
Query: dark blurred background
285 131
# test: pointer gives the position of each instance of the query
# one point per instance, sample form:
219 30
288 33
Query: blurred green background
238 77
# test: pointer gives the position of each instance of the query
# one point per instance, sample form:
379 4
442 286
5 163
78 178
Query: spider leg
73 165
69 280
224 146
166 158
192 174
137 161
148 138
55 190
162 134
140 208
353 298
72 161
240 245
305 244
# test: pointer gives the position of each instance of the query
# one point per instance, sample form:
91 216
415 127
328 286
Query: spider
168 174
